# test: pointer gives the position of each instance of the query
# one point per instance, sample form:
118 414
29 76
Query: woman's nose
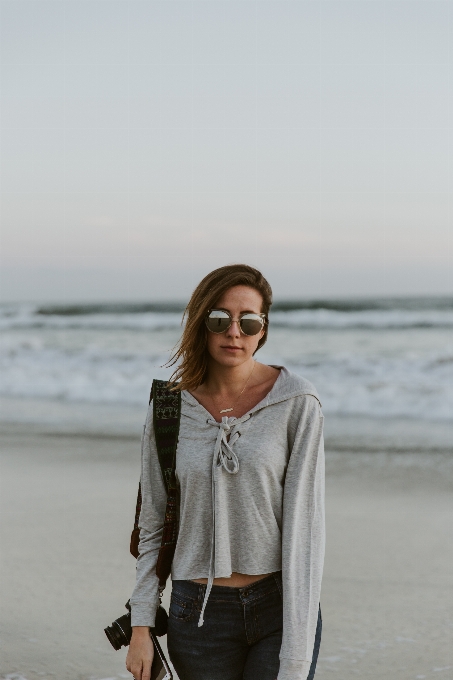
234 330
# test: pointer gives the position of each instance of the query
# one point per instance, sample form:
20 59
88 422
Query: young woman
246 574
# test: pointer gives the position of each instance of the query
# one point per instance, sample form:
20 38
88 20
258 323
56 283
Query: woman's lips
231 349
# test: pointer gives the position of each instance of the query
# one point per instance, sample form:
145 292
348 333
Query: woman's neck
227 379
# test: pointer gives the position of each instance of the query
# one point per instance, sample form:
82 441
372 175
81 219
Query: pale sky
145 143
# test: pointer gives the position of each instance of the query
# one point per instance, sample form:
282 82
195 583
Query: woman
246 574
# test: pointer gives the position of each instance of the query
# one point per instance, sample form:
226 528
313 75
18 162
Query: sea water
375 357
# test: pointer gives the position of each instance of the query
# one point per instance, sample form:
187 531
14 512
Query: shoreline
348 433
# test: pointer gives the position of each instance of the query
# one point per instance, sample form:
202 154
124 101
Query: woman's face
233 348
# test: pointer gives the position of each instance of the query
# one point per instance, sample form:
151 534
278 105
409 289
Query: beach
67 506
74 389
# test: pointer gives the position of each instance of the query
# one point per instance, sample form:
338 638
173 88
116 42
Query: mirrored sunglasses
219 321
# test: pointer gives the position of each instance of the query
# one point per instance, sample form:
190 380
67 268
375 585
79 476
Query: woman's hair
191 353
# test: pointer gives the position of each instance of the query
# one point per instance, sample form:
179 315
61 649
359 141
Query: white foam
419 387
147 321
373 318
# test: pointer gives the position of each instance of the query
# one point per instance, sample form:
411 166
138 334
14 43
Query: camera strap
166 420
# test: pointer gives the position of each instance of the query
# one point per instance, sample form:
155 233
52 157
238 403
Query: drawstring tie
225 457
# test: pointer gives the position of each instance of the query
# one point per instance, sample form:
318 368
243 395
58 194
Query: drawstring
223 453
225 457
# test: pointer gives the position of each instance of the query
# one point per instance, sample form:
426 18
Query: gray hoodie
252 501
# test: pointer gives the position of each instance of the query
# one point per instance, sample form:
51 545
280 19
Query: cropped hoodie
251 501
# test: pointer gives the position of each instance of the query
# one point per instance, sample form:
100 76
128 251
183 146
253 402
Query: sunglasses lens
218 321
251 324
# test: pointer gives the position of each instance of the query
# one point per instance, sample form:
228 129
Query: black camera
120 632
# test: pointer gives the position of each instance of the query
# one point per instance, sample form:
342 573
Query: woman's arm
145 598
303 542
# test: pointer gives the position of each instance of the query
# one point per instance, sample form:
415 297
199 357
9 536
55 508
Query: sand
67 505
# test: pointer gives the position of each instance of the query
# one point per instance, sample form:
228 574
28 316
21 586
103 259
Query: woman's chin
230 359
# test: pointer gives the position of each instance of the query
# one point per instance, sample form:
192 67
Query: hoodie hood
287 386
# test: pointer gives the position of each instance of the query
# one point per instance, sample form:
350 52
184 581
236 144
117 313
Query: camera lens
120 632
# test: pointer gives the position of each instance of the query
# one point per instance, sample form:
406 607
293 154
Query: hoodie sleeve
145 598
303 542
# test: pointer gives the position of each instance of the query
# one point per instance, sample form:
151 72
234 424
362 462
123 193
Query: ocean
376 357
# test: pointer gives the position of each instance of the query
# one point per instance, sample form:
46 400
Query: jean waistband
253 591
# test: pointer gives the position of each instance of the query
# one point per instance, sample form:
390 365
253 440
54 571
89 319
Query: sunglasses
219 321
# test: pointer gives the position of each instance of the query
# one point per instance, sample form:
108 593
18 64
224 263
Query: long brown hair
191 353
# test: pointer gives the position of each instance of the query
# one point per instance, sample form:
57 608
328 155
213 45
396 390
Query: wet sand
67 505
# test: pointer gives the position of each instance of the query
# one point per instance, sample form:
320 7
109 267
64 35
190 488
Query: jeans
241 636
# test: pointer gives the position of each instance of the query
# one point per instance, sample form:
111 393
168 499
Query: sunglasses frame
263 318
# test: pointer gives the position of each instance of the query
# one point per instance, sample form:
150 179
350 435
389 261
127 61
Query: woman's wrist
140 630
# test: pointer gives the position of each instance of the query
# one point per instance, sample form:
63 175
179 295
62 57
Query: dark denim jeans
241 636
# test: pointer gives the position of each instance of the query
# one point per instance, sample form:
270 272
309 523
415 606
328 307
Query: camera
120 632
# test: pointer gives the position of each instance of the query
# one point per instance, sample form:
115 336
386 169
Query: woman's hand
141 653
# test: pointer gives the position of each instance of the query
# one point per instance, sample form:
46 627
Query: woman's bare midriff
236 580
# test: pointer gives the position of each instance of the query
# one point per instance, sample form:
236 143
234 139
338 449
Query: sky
144 143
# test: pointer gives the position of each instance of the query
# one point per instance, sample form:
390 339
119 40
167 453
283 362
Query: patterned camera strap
166 419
